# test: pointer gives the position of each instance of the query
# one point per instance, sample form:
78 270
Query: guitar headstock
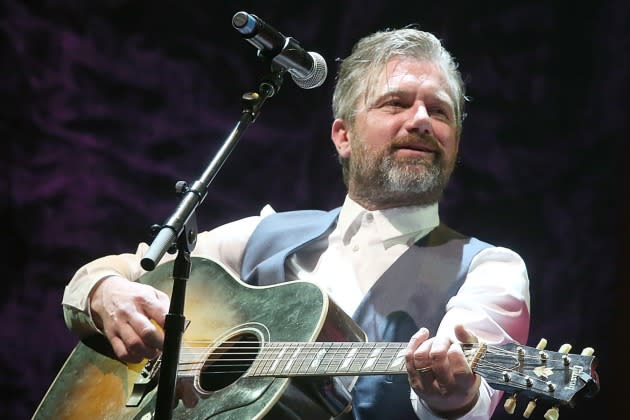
555 378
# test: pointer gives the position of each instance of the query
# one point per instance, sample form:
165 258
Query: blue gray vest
412 293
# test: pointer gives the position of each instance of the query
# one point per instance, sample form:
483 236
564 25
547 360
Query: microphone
308 69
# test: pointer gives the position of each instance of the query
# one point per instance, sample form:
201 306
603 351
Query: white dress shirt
493 302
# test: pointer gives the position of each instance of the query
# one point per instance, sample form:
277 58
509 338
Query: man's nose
419 120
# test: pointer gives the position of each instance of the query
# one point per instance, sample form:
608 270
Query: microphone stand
180 232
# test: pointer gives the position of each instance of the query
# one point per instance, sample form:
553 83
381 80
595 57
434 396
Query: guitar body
221 309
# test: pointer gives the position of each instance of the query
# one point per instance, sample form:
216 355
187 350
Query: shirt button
369 217
355 247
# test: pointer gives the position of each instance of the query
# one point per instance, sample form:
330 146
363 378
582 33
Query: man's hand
123 310
439 373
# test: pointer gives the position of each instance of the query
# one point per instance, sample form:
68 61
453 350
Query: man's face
403 143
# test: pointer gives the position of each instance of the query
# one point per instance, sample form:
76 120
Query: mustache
416 141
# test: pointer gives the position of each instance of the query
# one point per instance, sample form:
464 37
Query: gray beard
403 178
395 181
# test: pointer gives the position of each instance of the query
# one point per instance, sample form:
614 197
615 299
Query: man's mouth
413 144
415 150
417 147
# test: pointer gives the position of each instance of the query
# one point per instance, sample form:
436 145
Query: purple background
104 105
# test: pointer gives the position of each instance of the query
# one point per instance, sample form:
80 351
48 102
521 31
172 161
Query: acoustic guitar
282 351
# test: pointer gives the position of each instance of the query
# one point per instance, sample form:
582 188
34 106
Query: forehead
404 74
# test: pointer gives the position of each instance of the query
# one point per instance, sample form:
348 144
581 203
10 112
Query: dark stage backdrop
106 104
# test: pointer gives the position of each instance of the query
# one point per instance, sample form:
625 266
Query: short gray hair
369 57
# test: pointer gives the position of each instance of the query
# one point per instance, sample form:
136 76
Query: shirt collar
395 225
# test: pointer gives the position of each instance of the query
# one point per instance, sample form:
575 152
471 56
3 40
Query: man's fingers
156 306
413 354
465 336
124 352
460 368
150 334
147 320
418 338
440 361
440 371
120 350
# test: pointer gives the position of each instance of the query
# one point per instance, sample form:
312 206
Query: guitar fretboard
329 359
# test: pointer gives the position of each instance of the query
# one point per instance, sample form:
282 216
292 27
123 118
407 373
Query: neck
373 202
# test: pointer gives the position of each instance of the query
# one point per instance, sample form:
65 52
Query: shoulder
484 251
479 251
443 234
498 254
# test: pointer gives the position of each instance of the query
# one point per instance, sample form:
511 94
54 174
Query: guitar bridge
146 382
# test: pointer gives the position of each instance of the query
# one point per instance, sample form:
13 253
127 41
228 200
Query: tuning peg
552 414
510 404
588 351
541 344
565 348
530 409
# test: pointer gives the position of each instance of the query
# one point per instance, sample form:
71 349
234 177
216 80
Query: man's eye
440 112
394 104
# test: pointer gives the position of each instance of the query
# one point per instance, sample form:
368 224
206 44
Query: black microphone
308 69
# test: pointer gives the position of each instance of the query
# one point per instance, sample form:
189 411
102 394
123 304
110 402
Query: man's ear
340 135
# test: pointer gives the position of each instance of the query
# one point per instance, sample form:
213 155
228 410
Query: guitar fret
272 357
349 352
399 359
390 355
361 358
317 354
347 361
329 358
287 356
274 366
382 362
372 358
263 360
337 359
287 367
320 357
305 359
253 369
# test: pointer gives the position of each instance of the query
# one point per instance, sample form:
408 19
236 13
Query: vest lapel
263 263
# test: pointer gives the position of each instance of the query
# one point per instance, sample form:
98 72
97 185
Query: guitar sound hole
229 362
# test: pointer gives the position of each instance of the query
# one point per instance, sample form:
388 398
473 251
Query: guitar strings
272 355
269 350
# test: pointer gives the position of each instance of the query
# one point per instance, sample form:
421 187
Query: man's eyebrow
440 95
443 96
388 94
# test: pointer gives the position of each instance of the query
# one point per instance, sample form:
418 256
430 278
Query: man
383 256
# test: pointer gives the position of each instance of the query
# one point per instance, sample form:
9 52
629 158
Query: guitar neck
554 376
338 359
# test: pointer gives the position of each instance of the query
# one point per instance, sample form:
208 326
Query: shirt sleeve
482 410
494 304
224 244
